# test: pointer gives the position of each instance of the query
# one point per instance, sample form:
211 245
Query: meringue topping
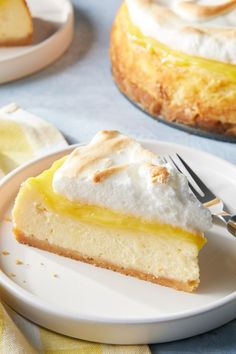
193 11
114 171
205 28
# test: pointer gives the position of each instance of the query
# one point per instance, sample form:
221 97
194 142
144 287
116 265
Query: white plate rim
33 48
26 297
36 57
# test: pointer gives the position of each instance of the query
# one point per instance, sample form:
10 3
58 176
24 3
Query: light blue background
78 96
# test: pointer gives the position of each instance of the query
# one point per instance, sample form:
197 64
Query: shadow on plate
84 36
217 264
43 30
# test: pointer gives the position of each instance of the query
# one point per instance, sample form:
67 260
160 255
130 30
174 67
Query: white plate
53 32
100 305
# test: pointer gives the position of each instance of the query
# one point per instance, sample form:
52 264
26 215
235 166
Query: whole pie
177 59
116 205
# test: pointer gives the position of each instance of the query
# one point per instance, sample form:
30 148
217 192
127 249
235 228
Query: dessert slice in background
16 27
116 205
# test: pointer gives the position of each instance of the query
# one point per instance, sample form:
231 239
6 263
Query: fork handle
230 221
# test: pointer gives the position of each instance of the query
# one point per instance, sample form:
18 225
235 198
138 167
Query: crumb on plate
19 262
5 253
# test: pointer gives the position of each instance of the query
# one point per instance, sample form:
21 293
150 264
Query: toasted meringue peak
159 174
110 153
205 28
116 172
193 11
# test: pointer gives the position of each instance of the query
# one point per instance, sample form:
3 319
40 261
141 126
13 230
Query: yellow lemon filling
170 56
100 216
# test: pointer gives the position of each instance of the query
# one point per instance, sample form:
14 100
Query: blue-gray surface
78 96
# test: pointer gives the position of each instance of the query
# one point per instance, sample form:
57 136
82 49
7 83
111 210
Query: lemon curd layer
100 216
172 57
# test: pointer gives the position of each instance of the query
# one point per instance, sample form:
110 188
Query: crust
45 245
17 42
187 95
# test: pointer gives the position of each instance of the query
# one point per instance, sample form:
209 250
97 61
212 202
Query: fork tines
206 192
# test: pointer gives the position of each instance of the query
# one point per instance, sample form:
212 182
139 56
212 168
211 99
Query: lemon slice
23 137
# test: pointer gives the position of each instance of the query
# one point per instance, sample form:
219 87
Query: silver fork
207 198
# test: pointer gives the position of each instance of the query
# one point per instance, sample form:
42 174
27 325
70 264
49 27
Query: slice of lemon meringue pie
177 60
116 205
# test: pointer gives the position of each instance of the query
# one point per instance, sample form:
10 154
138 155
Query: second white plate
53 32
83 301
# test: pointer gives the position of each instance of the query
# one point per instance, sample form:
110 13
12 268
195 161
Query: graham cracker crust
31 240
17 42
